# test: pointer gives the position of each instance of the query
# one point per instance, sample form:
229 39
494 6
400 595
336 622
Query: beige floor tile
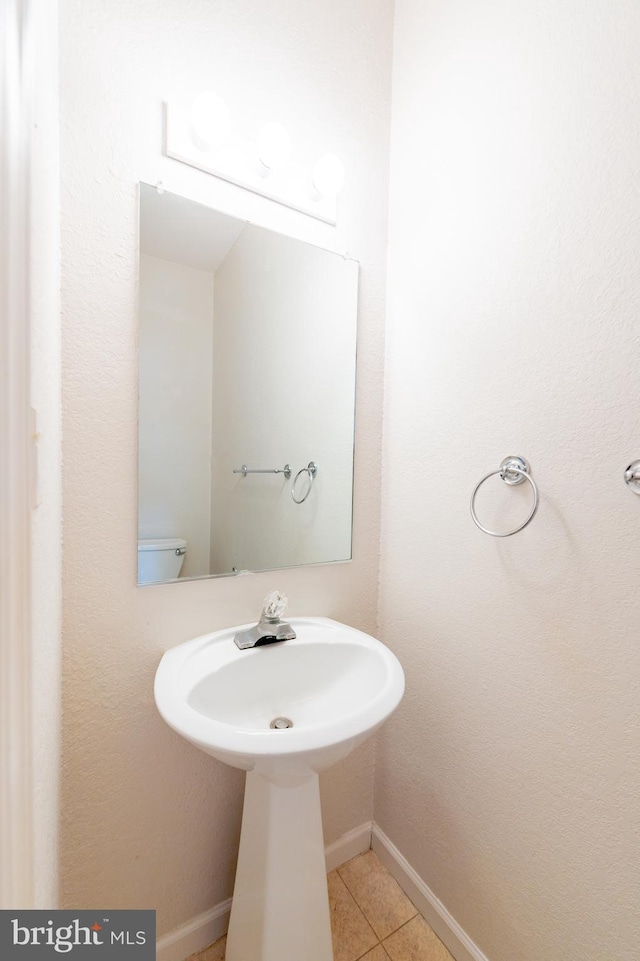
352 935
378 954
415 941
215 952
382 900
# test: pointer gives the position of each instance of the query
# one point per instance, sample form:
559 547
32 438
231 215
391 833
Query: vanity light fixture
200 134
328 175
274 146
210 120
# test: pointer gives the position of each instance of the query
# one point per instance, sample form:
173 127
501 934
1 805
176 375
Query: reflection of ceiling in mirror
185 232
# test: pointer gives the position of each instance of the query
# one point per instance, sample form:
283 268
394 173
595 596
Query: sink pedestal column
280 909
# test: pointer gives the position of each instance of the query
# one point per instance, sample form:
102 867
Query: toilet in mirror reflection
247 357
160 559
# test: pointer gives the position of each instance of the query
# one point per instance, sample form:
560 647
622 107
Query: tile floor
372 919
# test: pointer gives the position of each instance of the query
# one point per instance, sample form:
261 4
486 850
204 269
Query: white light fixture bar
236 160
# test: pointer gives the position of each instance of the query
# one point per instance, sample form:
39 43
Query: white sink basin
334 684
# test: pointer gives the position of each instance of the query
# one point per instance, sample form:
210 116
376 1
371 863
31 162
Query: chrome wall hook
632 476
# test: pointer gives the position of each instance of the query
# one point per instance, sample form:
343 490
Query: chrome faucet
269 628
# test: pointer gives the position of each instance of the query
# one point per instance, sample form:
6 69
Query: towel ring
513 471
311 470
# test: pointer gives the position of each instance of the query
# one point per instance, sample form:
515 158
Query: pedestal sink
282 712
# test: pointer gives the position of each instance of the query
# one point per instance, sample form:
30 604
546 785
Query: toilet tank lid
162 544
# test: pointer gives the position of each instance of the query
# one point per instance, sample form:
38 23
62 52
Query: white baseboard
195 935
348 846
202 931
454 938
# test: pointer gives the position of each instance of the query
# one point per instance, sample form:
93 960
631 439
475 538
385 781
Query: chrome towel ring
311 471
513 471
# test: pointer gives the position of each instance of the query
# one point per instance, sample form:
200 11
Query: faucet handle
275 604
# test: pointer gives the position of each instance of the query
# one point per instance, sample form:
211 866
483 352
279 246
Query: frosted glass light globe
210 121
274 145
328 175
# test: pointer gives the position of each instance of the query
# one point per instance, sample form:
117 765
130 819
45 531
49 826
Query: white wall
175 344
284 389
147 819
30 464
46 530
509 777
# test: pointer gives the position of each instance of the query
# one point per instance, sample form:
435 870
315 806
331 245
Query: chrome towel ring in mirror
311 471
513 471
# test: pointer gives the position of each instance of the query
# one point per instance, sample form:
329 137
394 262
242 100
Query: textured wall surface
148 821
510 775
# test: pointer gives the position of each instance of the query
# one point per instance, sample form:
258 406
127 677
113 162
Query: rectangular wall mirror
247 368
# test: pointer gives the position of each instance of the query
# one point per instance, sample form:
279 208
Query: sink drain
280 723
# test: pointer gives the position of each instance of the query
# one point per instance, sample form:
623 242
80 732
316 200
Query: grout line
366 920
403 925
378 945
392 878
428 925
361 956
355 901
350 861
378 941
